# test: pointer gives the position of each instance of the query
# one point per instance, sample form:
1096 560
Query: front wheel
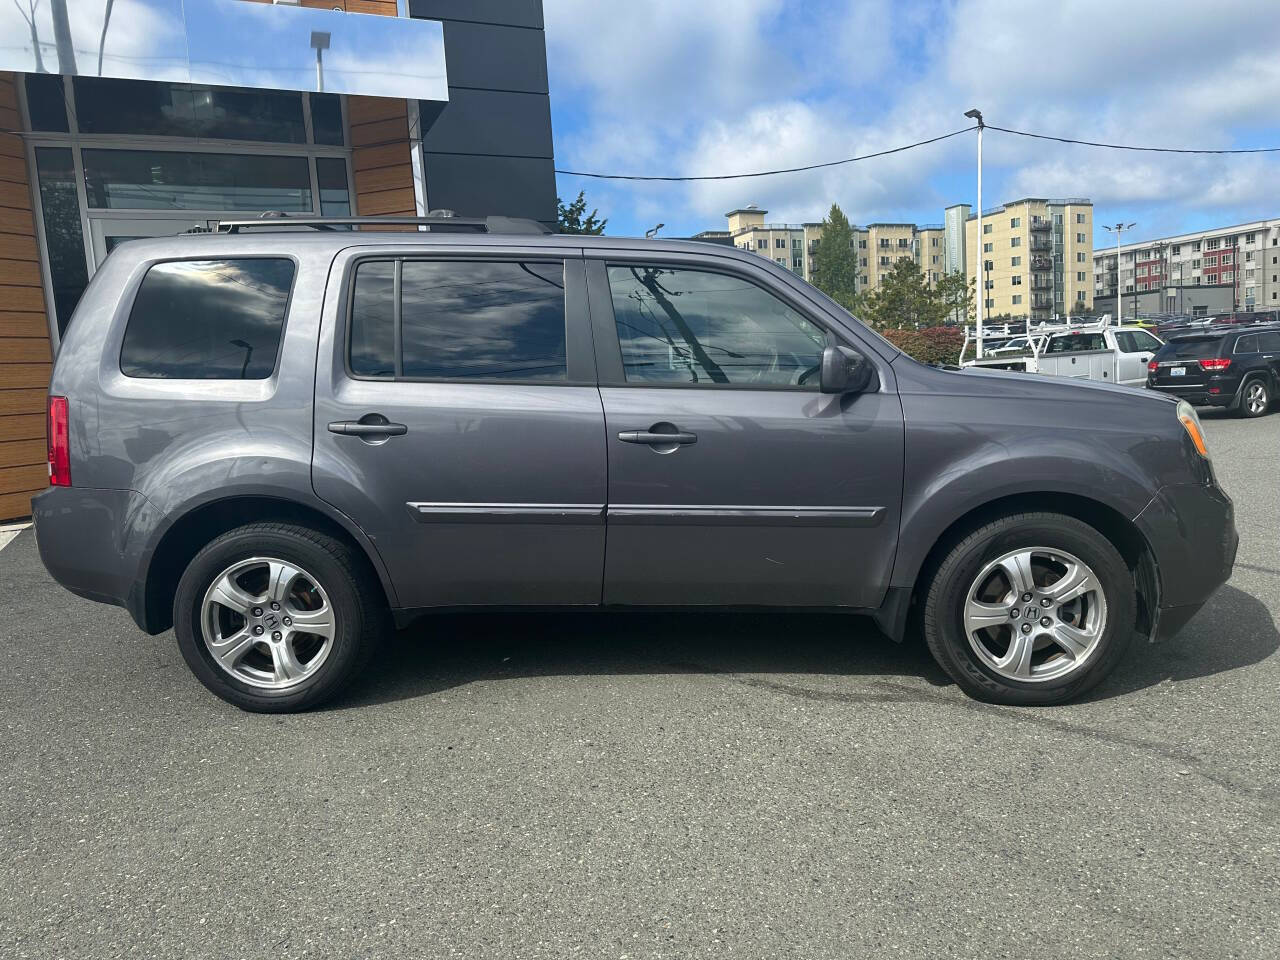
275 617
1032 609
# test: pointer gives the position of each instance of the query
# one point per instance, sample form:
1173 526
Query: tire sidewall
951 645
318 563
1244 403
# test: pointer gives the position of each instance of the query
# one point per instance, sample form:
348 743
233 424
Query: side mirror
845 370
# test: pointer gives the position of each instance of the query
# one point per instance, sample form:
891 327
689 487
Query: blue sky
684 87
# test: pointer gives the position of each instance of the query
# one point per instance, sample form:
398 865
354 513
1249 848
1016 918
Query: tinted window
1077 341
147 107
60 208
372 349
331 176
46 102
1136 341
687 326
489 321
462 320
1268 342
1190 348
1247 344
169 180
208 320
326 118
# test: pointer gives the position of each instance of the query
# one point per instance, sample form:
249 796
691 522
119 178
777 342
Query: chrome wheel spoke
285 662
229 650
980 616
318 622
280 577
1017 568
1074 642
1076 582
1017 660
226 592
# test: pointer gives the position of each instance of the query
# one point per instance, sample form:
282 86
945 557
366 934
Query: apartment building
1241 263
1036 257
877 246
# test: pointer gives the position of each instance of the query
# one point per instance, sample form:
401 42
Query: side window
692 326
459 320
208 320
1144 341
1269 342
1124 340
1247 344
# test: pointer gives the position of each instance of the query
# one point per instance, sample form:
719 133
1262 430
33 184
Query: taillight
1153 366
1217 363
59 444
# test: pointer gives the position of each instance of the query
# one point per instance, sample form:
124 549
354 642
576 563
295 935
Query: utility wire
1121 146
769 173
912 146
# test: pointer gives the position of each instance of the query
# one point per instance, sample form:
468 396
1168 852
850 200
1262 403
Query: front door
732 479
1136 348
458 423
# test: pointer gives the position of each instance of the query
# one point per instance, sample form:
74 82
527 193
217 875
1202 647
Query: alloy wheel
1255 397
267 622
1035 614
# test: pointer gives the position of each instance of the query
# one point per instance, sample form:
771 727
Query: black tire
359 614
1243 410
948 589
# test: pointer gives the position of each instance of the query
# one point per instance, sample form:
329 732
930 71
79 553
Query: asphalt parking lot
647 786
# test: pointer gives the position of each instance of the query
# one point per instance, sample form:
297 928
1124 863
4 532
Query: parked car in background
1097 351
278 442
1237 367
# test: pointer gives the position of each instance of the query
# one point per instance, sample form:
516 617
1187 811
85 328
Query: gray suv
280 441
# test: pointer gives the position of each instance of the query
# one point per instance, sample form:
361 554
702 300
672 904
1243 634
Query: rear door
732 480
458 423
1269 344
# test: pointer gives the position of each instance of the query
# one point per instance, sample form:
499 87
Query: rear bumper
1192 533
90 541
1199 395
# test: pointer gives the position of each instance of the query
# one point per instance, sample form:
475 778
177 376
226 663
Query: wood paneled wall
25 360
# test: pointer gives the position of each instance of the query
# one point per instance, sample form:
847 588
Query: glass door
106 233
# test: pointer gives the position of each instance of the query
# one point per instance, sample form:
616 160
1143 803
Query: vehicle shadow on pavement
443 651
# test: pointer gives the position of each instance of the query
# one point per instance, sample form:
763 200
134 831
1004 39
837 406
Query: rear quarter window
1247 344
208 320
1071 342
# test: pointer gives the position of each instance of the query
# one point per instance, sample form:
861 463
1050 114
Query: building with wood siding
87 162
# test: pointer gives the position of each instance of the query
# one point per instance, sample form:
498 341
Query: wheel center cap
270 619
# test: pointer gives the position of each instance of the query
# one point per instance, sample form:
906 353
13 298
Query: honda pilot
281 442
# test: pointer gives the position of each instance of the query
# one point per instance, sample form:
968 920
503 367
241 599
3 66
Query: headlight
1191 423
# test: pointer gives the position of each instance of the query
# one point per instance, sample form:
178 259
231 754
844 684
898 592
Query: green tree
903 299
958 297
835 262
571 219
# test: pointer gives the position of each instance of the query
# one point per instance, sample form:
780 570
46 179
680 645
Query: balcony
1041 264
1041 245
1041 283
1040 223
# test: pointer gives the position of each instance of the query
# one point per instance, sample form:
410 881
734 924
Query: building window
1226 258
762 244
1017 299
863 263
1177 249
988 247
862 244
1079 218
1015 241
1016 280
1080 277
797 264
903 243
986 228
1080 296
1210 261
1080 238
1079 258
1212 244
779 243
795 243
1015 222
63 235
884 261
1248 238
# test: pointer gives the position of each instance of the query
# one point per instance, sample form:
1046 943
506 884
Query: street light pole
1118 229
976 114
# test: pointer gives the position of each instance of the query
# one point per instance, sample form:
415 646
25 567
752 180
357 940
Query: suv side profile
1237 367
280 443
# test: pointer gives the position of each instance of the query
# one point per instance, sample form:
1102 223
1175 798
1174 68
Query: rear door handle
649 437
355 428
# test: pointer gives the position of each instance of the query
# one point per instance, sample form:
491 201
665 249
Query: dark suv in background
1237 367
277 442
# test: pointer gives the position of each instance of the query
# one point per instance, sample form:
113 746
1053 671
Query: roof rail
441 221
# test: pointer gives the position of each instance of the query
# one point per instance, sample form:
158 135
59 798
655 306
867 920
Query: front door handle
656 439
367 427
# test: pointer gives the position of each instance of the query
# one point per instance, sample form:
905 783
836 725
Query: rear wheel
1255 398
275 617
1034 608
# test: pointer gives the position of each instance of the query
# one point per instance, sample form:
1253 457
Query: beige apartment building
877 246
1037 257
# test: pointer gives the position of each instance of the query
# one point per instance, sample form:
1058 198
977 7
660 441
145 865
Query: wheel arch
196 527
1118 529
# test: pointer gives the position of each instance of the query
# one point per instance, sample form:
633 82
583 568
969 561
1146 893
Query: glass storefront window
148 108
46 102
331 175
326 119
171 180
62 233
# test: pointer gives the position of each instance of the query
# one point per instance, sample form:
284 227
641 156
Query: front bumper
1192 533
